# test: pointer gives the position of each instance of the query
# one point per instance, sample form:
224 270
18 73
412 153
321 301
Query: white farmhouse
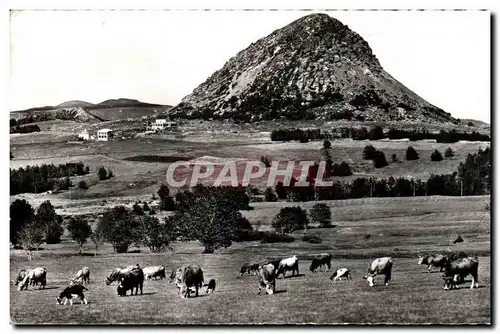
162 123
104 134
85 135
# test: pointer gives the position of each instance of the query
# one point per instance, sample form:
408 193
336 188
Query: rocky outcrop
315 67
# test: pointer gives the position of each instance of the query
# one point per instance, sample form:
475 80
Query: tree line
37 179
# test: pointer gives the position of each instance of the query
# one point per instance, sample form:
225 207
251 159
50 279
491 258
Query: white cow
154 272
33 277
382 265
288 264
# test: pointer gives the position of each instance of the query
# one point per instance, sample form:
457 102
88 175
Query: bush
280 190
436 156
449 153
376 133
102 174
290 219
312 239
265 161
145 207
271 237
379 160
137 209
269 195
369 152
327 144
110 174
411 154
321 214
83 185
152 212
342 169
394 158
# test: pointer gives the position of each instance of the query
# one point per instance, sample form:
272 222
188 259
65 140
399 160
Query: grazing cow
249 268
321 261
288 264
20 277
33 277
461 268
81 276
438 261
118 274
275 263
341 273
187 277
267 278
71 292
154 272
132 279
211 286
382 265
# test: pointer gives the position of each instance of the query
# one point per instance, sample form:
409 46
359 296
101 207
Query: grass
414 296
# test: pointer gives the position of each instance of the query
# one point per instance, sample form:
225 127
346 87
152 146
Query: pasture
397 227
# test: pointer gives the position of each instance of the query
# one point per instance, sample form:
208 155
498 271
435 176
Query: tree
49 222
280 190
342 169
166 201
110 174
376 133
369 152
83 185
145 207
11 156
379 160
411 154
321 214
54 231
210 218
137 209
21 213
80 231
121 228
449 153
102 174
97 237
30 237
327 145
290 219
436 156
269 195
156 236
265 160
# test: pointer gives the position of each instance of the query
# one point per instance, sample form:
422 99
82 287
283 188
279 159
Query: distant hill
115 103
74 104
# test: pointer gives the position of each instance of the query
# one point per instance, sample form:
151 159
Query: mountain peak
314 67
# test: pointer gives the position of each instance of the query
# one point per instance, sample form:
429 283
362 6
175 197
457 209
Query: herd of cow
189 278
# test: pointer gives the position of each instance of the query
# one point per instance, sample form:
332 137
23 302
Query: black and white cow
382 265
461 268
288 264
71 292
267 278
341 273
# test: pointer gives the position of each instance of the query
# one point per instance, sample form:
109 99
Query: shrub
321 214
369 152
280 190
436 156
327 144
102 174
265 161
449 153
376 133
272 237
110 174
83 185
290 219
269 195
137 209
312 239
342 169
379 160
145 207
394 157
411 154
152 212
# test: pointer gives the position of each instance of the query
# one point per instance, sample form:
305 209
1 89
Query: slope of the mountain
315 67
116 103
74 104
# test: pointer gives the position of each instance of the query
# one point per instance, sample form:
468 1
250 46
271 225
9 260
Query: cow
321 261
130 280
267 278
118 274
341 273
382 265
81 276
211 286
438 261
33 277
275 263
154 272
20 276
461 268
249 268
71 292
187 277
288 264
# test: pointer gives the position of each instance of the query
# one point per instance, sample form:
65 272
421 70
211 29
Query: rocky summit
313 68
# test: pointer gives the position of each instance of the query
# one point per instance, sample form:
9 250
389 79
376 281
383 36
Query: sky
161 56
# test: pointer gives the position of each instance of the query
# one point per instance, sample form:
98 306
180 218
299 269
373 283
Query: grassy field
398 227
